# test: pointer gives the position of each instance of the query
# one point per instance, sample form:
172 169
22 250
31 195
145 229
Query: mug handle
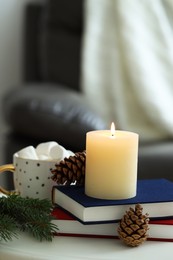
3 168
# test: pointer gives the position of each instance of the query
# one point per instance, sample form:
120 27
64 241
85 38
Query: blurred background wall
11 31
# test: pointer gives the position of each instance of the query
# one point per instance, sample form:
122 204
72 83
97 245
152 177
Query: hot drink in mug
32 167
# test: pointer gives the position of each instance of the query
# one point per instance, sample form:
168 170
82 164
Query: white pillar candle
111 164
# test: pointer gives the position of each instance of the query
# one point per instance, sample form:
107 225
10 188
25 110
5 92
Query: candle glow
113 129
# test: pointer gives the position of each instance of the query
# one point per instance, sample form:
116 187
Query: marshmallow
45 151
58 152
70 153
28 153
44 157
44 148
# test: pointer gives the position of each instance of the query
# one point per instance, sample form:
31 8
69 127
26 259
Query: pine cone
133 226
70 170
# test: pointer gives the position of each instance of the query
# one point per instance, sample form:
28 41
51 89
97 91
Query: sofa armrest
50 112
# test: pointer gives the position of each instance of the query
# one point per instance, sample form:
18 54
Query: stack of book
76 214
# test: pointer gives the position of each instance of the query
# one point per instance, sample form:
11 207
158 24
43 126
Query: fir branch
40 229
27 214
7 227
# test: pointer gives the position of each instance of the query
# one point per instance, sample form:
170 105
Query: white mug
32 177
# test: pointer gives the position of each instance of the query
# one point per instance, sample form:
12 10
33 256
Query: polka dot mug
32 178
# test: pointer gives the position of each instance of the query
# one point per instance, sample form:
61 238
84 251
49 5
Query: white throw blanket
127 64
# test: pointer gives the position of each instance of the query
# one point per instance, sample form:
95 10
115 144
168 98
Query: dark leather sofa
50 106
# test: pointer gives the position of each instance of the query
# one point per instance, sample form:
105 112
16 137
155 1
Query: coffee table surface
64 248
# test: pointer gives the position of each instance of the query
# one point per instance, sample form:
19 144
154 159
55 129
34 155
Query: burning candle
111 164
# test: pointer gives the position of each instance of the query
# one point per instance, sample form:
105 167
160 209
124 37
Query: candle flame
113 129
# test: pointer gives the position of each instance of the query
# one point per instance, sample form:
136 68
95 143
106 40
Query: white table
73 248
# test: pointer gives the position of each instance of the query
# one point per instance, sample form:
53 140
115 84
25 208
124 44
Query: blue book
155 196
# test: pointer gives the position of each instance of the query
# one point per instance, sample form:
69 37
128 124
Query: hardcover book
161 230
155 196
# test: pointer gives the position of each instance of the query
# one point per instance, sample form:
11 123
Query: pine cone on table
70 170
133 226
